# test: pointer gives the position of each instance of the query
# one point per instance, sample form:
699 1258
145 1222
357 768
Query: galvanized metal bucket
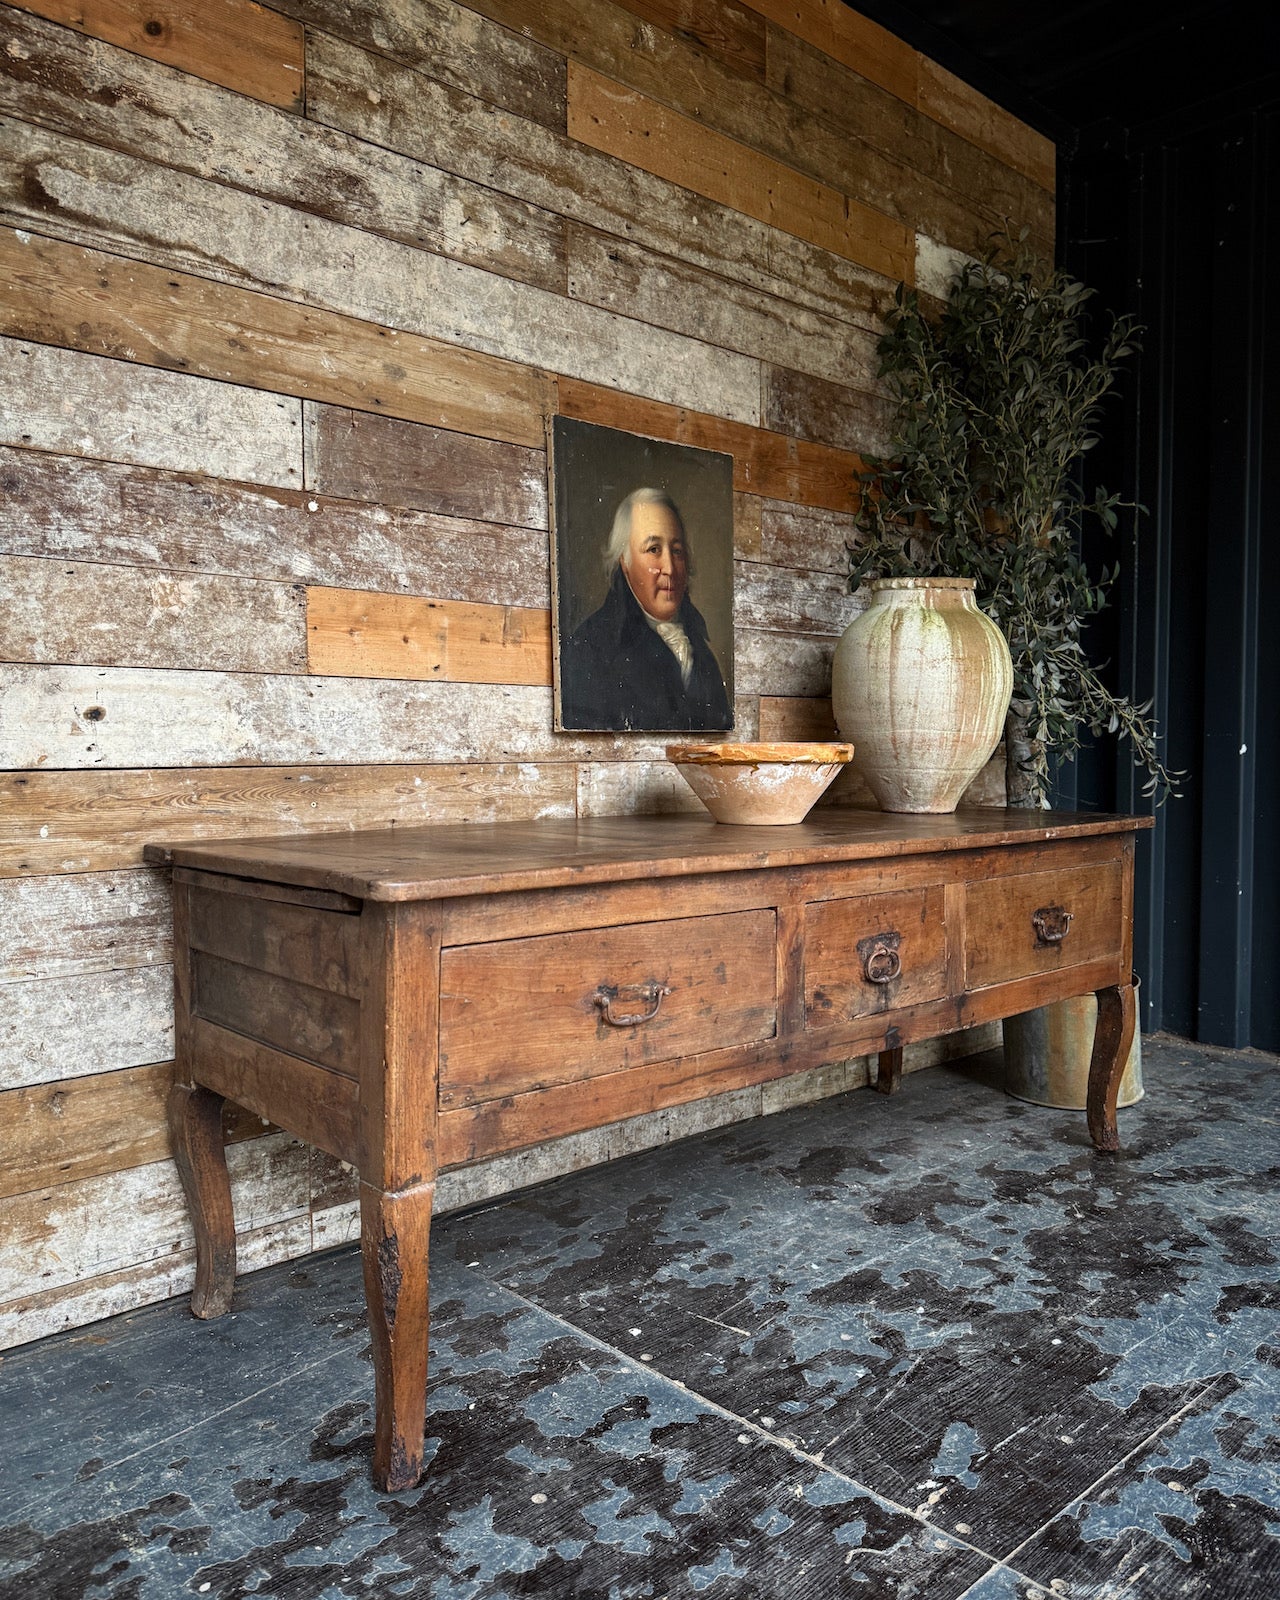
1047 1054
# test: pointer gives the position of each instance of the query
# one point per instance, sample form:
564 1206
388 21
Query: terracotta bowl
758 783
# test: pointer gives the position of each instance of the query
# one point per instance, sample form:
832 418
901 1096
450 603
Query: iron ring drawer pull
881 962
650 994
1052 924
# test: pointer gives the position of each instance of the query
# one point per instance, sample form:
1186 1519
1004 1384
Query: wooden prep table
420 998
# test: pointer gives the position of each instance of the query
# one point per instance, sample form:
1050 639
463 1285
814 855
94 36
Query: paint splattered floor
923 1347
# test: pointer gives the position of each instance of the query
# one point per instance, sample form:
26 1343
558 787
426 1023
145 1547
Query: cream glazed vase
920 685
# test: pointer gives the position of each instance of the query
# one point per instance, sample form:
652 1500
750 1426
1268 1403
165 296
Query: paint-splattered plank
359 457
772 465
78 611
70 1027
354 634
855 419
620 276
505 67
85 822
78 717
109 97
86 405
161 215
235 43
57 1233
90 922
370 97
609 116
77 1128
61 506
65 295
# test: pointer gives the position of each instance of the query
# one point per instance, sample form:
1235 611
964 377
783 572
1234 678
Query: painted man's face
656 563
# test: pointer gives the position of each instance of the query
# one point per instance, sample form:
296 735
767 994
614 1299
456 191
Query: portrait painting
642 575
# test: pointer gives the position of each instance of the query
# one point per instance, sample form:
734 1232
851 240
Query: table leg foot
195 1123
889 1071
1117 1018
394 1233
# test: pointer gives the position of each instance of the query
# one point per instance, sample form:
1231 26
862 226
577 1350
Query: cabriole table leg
195 1123
394 1234
1117 1018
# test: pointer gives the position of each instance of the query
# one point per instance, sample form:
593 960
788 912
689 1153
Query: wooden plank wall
288 294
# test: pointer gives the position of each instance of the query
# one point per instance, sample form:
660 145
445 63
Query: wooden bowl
768 784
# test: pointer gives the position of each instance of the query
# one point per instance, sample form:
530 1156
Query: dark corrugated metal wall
1183 229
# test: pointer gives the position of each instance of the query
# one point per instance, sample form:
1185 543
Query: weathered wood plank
85 822
354 634
236 43
57 1236
633 788
771 465
954 175
792 600
405 110
770 663
64 1132
38 1313
61 506
813 408
955 104
77 717
64 401
80 612
162 215
805 536
70 1027
91 922
66 295
734 36
788 719
849 37
505 67
110 98
622 122
381 459
746 525
610 272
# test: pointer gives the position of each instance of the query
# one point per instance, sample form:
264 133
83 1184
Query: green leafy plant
997 399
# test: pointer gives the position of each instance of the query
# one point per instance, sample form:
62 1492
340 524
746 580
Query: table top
428 863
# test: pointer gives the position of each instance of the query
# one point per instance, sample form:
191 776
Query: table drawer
1039 922
876 953
525 1013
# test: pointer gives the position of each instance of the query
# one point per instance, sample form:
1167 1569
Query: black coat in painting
616 673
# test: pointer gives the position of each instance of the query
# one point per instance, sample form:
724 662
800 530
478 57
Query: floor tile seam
183 1433
1034 1588
1118 1466
787 1446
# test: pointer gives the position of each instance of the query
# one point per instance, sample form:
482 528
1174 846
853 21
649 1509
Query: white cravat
677 641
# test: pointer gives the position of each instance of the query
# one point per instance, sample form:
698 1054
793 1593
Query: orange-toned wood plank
850 38
86 300
352 633
771 465
788 719
235 43
956 105
609 117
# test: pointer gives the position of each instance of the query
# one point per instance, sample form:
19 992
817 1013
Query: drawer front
879 952
524 1013
1041 922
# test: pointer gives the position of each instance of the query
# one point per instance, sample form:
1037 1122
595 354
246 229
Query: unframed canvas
642 577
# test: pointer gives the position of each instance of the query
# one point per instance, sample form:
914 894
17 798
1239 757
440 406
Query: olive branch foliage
997 400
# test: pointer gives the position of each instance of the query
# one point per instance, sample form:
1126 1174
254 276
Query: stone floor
924 1347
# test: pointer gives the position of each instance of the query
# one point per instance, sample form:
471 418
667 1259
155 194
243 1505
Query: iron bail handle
881 962
650 995
1052 924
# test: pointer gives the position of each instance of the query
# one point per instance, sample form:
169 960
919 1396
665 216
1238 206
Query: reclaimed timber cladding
290 293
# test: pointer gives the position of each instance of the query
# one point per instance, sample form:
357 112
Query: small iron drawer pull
1052 924
649 994
881 962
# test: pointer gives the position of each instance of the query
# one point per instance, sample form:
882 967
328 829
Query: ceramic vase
920 686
